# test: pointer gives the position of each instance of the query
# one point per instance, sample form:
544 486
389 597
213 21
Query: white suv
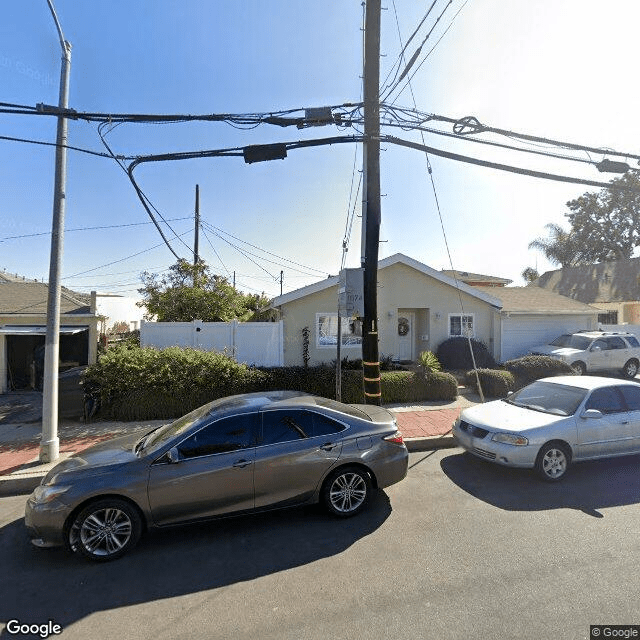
588 351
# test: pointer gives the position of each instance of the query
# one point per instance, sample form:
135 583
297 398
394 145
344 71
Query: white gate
258 343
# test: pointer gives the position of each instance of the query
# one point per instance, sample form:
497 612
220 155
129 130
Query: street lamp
50 443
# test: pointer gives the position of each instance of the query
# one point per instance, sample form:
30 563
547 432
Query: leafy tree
604 226
530 274
191 292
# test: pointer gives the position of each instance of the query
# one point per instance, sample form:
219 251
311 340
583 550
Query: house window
461 325
327 331
611 317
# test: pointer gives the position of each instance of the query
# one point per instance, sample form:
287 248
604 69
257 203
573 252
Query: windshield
549 397
574 342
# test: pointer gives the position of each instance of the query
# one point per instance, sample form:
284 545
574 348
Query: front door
405 337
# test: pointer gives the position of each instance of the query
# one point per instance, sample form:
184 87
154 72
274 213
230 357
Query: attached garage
532 316
520 333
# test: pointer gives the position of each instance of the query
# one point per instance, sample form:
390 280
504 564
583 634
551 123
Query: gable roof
30 298
476 279
539 301
617 281
397 258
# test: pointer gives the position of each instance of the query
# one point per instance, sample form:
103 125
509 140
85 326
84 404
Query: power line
503 167
112 226
324 273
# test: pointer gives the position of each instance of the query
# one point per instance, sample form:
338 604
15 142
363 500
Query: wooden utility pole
371 208
196 238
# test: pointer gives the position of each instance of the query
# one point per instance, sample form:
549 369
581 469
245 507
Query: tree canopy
603 226
191 292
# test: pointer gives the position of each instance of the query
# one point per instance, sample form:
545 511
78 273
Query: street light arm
66 46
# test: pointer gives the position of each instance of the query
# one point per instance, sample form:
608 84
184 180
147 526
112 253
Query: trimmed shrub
145 383
529 368
495 383
454 353
407 386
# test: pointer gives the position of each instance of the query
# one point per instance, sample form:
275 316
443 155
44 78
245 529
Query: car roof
600 334
588 382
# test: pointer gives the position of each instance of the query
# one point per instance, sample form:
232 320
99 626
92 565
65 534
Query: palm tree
559 247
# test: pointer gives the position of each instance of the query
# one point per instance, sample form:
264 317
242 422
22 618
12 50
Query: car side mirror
596 347
173 456
593 414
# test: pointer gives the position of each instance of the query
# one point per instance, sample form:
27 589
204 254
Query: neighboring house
476 279
531 316
23 321
612 287
418 308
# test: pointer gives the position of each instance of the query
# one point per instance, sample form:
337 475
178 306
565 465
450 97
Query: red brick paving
12 457
423 424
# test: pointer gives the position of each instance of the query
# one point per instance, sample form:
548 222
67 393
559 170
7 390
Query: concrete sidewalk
424 426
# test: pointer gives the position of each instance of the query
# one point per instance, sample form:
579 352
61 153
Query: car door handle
328 446
241 464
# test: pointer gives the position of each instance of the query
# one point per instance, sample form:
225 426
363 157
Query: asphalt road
460 549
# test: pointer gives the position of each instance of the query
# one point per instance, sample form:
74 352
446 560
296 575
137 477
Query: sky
559 69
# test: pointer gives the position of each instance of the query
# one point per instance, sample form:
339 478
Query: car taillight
394 437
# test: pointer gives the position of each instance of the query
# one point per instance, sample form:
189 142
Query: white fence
258 343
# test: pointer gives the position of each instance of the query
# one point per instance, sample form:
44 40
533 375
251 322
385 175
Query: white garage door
520 333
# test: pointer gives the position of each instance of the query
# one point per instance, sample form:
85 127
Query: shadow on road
588 487
53 584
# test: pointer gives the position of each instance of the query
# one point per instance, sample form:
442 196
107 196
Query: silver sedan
553 422
239 454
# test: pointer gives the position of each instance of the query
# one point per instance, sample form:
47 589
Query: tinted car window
600 345
323 426
607 400
224 435
285 426
631 396
616 343
632 340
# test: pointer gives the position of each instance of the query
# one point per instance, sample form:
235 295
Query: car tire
346 491
630 369
105 530
579 367
553 461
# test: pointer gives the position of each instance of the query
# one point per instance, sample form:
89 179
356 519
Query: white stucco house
420 307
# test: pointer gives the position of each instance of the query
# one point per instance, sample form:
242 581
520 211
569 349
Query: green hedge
145 383
529 368
516 374
495 383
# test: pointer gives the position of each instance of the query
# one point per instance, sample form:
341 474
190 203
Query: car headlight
42 494
510 438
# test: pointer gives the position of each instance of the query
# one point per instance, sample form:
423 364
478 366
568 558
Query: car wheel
553 461
346 491
630 369
105 530
579 367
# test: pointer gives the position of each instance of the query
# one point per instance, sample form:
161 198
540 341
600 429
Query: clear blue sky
563 69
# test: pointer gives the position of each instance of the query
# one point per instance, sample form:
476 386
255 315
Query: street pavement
425 426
